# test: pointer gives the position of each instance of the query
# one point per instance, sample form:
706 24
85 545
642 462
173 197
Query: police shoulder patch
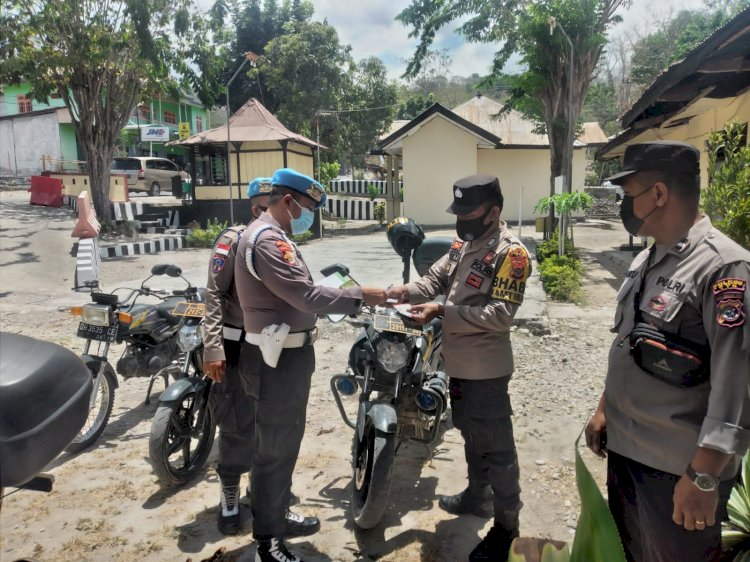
509 283
729 296
217 264
287 254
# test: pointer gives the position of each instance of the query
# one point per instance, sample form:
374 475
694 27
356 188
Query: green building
38 136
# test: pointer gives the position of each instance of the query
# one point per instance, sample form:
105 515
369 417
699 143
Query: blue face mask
304 222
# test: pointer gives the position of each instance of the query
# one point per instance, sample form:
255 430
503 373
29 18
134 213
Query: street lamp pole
318 114
249 57
568 184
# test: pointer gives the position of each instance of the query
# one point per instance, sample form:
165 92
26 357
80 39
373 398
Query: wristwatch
704 482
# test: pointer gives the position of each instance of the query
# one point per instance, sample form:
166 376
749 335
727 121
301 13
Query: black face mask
471 229
630 221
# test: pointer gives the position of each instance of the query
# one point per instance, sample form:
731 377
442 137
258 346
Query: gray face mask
630 221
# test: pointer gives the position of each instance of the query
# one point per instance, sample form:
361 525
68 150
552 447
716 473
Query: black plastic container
431 250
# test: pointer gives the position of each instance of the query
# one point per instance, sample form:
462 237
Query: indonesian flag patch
222 249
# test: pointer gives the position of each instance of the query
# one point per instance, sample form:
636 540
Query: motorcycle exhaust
433 392
346 386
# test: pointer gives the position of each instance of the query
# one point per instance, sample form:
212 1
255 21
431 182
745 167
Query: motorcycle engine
141 361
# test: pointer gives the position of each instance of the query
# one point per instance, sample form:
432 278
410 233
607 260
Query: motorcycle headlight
392 356
189 337
96 314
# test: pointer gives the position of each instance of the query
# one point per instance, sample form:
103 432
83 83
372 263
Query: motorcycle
44 397
150 331
183 428
395 365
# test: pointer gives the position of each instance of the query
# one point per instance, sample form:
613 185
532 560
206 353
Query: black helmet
405 236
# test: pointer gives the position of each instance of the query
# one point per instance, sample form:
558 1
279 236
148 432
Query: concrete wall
708 116
74 184
527 168
24 140
435 156
9 99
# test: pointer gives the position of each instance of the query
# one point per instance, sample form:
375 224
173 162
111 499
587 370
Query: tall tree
523 27
100 57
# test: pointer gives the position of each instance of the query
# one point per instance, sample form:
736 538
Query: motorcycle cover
44 399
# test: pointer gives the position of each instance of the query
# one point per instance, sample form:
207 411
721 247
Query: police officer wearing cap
232 410
483 278
675 406
280 304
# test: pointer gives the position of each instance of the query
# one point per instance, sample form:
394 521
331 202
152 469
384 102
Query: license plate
99 333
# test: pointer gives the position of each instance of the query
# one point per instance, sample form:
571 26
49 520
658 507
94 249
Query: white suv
146 173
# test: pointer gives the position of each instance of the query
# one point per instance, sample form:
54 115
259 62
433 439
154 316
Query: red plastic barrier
46 191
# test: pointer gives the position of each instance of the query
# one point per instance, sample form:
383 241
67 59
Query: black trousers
234 413
281 396
481 410
640 499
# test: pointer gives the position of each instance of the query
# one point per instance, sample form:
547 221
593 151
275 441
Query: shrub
561 278
379 212
301 238
205 237
549 247
328 171
373 191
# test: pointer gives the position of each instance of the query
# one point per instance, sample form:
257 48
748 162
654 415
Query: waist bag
666 356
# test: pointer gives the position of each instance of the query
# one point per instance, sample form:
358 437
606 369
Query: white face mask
305 220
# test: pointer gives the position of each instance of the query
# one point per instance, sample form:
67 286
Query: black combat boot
466 502
299 526
271 549
495 547
229 509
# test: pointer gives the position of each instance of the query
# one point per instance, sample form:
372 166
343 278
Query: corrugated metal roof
251 123
515 129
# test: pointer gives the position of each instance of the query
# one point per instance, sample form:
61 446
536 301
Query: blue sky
370 28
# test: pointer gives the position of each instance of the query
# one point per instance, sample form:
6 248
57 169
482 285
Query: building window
144 113
24 104
170 117
199 124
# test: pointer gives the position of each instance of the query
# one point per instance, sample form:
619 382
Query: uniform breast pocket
668 306
626 289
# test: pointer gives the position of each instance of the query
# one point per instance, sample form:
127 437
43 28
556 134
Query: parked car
146 173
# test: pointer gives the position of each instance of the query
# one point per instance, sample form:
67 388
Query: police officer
232 410
675 405
483 277
280 304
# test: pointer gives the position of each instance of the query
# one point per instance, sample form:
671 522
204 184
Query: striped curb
141 248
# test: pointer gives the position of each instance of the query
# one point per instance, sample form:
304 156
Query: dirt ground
108 506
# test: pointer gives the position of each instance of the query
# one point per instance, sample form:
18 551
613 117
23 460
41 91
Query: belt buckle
312 336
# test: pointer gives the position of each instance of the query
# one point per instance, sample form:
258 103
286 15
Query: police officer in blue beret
280 304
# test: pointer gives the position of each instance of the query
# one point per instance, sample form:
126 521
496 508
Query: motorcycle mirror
335 268
159 269
336 318
173 271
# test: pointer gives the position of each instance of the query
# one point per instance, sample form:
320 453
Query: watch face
706 482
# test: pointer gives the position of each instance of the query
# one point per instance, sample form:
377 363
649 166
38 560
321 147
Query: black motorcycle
396 366
44 396
150 331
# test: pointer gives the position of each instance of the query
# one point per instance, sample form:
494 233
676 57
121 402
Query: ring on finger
700 522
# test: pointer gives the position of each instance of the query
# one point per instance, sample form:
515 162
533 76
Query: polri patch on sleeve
474 280
217 264
287 254
729 296
509 283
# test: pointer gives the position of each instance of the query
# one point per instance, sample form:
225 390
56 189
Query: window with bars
144 112
199 124
170 117
24 104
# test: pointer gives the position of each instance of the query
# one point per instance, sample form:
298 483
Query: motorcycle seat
166 307
44 402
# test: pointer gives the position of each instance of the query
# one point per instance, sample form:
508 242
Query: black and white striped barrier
88 262
127 211
141 248
354 209
358 187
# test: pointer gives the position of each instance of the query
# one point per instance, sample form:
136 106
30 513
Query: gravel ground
108 506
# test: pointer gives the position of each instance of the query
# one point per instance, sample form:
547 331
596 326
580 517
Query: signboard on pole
184 129
154 133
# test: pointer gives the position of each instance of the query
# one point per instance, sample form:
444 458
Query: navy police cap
662 156
307 186
472 191
259 186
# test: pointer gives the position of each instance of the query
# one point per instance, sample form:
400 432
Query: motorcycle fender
95 363
383 416
178 389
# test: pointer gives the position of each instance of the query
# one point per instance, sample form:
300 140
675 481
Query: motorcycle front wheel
177 449
102 399
371 482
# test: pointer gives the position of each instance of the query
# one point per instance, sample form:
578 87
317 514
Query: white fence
358 187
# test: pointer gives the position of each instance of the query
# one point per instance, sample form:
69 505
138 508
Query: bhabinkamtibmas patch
509 283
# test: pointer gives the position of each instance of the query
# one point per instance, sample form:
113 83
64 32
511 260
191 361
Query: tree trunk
99 161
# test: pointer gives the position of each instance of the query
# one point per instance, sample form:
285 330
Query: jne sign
154 133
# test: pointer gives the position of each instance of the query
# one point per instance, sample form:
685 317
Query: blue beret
292 179
259 186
